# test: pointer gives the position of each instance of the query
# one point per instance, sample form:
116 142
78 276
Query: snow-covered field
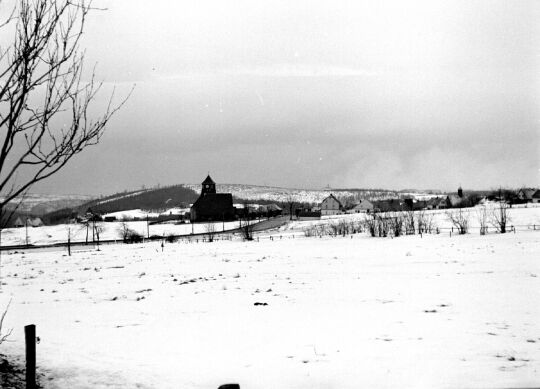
411 312
111 230
524 218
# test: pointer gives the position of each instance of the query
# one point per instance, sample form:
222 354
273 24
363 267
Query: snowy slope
431 312
254 192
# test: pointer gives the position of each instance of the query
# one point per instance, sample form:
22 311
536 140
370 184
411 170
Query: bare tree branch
44 101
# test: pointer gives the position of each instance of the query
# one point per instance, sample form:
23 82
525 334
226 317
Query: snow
277 194
111 231
523 218
436 311
142 214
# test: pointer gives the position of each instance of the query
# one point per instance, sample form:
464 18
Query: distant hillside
147 199
40 204
181 196
281 195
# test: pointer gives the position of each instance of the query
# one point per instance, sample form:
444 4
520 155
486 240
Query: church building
212 206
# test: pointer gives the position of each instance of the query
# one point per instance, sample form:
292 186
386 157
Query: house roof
273 207
333 197
436 201
536 194
528 193
363 203
208 180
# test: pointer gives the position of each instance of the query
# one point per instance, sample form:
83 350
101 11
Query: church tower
460 192
208 186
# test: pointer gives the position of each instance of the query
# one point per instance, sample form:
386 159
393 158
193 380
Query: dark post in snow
30 338
69 242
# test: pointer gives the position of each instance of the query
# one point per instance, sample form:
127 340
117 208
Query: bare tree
409 220
499 217
4 334
210 231
459 219
98 229
124 231
482 216
246 224
44 101
291 204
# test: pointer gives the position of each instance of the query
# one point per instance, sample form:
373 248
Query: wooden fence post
30 338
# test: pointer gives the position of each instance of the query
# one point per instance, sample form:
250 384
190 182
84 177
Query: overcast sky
309 93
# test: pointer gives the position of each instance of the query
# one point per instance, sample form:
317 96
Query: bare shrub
210 231
424 222
370 222
127 234
482 216
409 222
500 218
246 228
171 238
459 219
396 222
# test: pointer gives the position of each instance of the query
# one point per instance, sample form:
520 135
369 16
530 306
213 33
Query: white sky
309 93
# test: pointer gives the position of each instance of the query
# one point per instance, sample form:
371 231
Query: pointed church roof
208 180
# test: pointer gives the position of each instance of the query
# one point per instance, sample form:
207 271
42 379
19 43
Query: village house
331 206
436 203
212 206
28 222
526 194
35 222
18 223
536 197
364 206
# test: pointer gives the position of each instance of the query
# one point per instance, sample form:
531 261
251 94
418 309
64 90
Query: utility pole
147 227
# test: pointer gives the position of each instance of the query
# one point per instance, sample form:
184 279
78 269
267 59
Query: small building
363 206
331 206
212 206
35 222
18 223
436 203
526 194
536 197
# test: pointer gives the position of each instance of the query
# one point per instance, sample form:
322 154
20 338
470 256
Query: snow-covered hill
39 204
272 193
